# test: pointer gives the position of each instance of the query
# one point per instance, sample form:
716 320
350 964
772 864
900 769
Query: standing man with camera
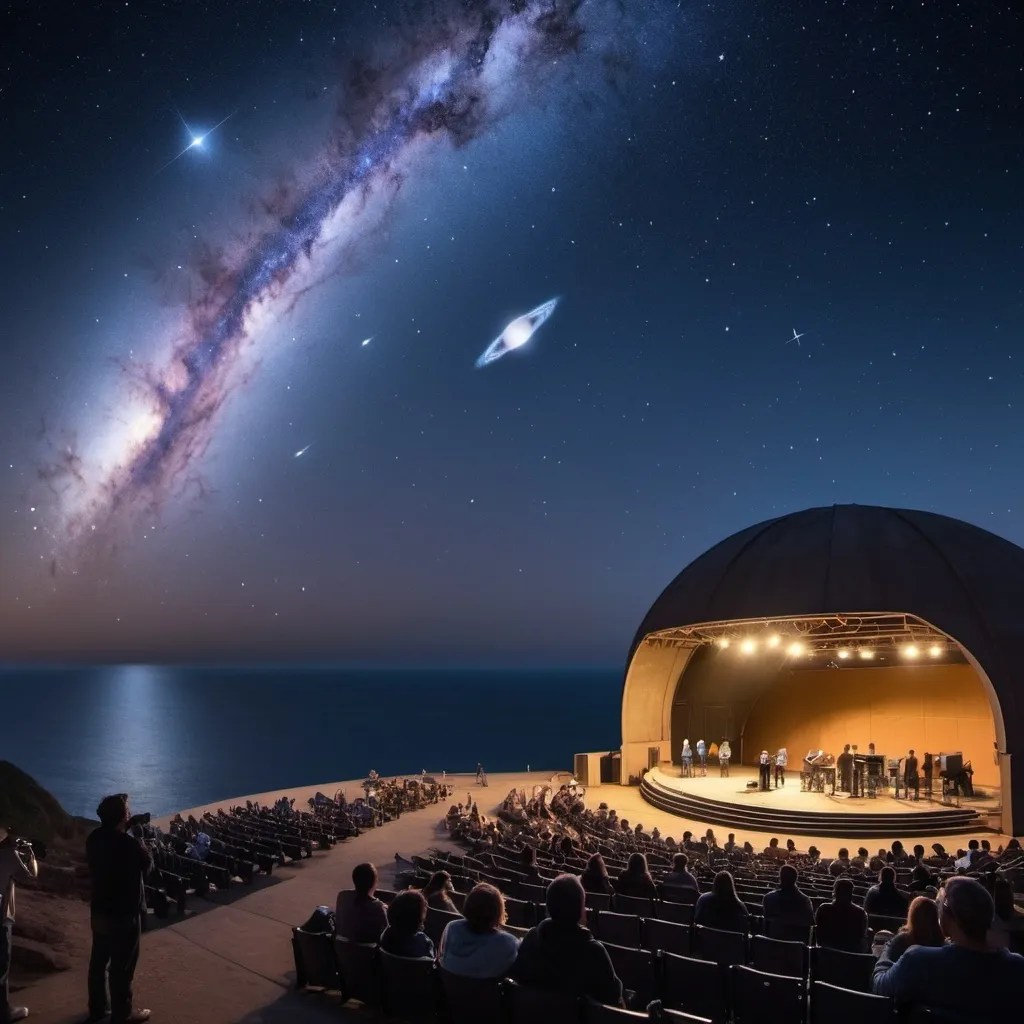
17 864
118 864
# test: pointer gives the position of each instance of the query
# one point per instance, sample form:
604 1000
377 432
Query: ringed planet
518 333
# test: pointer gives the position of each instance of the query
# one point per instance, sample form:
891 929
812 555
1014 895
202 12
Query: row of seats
695 990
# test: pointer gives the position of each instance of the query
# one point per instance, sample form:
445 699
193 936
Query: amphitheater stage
727 802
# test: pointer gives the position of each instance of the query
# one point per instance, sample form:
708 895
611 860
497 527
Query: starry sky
695 183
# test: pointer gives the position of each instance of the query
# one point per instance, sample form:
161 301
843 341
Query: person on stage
702 754
911 780
765 766
724 756
845 763
687 760
781 760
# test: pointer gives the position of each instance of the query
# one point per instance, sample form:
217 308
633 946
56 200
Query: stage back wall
926 707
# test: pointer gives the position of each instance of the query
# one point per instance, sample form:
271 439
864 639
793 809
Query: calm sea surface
178 737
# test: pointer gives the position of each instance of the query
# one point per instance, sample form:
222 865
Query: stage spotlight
796 650
935 651
773 640
723 643
910 651
747 647
843 652
866 653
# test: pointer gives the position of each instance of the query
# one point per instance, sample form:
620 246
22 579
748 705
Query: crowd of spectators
943 924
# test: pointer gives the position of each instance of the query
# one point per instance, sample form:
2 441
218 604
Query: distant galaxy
518 333
455 80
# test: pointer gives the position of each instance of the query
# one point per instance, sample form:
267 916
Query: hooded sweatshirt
566 958
476 955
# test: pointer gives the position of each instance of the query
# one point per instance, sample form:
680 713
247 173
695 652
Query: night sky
694 183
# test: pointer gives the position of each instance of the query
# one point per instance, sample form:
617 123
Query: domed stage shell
881 570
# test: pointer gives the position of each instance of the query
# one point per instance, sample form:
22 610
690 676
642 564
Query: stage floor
733 790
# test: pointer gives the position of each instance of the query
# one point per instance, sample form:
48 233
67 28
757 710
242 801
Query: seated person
884 899
841 924
722 908
841 864
595 876
680 877
438 892
404 935
359 916
636 879
964 977
922 929
772 850
787 904
477 946
560 954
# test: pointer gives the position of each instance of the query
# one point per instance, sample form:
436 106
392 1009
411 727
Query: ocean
174 737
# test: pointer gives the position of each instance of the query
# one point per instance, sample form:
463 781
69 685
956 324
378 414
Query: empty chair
766 998
519 933
408 986
632 905
847 970
680 913
831 1004
471 1000
598 1013
620 929
599 901
666 935
385 895
315 962
357 967
534 1005
725 948
635 968
693 986
437 921
520 913
778 957
532 893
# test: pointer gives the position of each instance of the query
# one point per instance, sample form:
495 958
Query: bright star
195 141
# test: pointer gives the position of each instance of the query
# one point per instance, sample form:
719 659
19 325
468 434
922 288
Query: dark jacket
841 926
886 901
567 958
440 900
418 944
790 906
118 865
728 915
640 886
597 883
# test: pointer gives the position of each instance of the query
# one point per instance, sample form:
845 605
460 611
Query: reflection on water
175 738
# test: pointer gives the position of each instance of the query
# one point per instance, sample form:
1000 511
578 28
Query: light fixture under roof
935 651
796 649
773 640
723 642
843 652
748 646
867 653
910 651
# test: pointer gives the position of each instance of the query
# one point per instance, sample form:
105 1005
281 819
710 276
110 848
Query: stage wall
925 707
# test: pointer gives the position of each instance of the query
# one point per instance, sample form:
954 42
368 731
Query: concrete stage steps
839 824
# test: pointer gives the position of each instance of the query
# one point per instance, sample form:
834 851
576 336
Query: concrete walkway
231 963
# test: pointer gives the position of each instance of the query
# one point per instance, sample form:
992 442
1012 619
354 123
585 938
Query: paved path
232 963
